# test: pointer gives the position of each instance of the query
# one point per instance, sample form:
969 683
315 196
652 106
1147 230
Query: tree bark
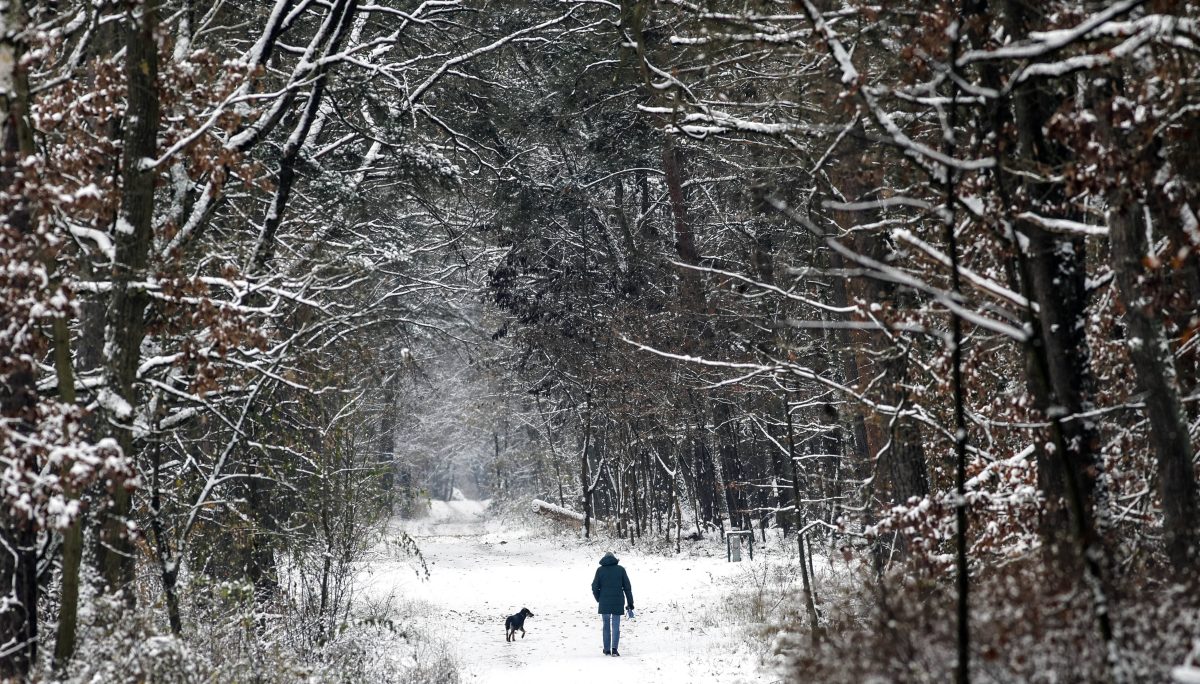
285 178
1055 356
168 560
18 574
691 293
1155 367
386 449
585 473
72 545
797 497
1056 276
1051 275
908 470
18 391
126 317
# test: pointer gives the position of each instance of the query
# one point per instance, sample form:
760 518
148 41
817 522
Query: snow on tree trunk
126 317
1155 366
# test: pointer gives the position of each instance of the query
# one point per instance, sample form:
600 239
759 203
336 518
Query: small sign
733 544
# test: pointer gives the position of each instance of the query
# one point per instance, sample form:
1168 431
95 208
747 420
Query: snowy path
480 574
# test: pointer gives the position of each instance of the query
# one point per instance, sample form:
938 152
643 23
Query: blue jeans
615 635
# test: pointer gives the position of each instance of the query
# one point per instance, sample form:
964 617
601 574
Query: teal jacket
610 583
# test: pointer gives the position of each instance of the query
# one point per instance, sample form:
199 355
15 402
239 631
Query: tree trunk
585 473
285 177
1058 356
797 498
168 561
633 500
721 489
1050 275
851 349
72 545
385 454
19 591
18 391
1056 283
691 292
126 316
260 557
1155 367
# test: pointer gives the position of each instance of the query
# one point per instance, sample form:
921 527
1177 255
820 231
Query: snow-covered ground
481 572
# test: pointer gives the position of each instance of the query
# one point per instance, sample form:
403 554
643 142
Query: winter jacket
611 581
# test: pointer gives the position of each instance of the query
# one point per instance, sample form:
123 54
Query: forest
913 284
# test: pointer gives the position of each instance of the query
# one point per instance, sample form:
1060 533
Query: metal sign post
733 544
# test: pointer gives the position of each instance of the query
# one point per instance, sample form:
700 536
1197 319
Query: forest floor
686 626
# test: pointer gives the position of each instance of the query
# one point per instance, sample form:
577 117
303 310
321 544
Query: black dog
515 622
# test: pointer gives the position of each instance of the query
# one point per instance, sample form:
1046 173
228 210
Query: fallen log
559 513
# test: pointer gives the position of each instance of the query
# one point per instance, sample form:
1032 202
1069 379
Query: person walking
614 594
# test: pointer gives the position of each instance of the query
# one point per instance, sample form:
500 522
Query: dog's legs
522 632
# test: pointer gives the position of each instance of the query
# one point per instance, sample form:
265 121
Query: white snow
1065 226
481 572
114 404
1186 675
538 504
